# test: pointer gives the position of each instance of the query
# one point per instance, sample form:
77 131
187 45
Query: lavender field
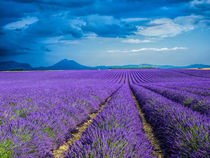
139 113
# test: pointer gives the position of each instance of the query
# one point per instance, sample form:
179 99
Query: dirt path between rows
80 129
148 130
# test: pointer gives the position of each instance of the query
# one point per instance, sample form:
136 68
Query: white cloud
98 20
59 40
90 36
147 49
135 41
134 19
166 27
21 24
198 2
190 20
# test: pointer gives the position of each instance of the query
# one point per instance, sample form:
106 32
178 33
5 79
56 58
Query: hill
66 64
14 66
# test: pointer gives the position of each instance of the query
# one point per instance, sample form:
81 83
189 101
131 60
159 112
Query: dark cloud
15 43
73 19
199 8
117 8
9 9
107 26
63 3
111 30
9 49
9 52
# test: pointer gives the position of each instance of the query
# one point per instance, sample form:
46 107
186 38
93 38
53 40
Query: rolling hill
14 66
66 64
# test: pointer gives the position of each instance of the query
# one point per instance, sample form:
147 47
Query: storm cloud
27 23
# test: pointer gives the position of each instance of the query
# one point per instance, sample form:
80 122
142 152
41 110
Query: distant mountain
147 65
182 67
73 65
198 66
110 67
13 66
155 66
68 65
136 66
172 66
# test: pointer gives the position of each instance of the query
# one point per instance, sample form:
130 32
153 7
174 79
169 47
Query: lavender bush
182 132
116 132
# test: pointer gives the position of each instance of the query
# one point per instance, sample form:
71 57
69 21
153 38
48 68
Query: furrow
148 130
80 129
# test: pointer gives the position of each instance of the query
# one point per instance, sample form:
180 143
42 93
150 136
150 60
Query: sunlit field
105 113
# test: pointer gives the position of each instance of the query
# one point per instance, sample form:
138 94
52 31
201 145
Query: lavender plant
116 132
182 132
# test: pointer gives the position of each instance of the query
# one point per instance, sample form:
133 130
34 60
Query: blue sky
105 32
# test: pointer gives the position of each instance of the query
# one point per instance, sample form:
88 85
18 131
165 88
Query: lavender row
201 89
199 73
115 132
37 116
181 131
163 76
195 84
195 102
15 78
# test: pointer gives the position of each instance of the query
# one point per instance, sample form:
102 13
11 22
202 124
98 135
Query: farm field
105 113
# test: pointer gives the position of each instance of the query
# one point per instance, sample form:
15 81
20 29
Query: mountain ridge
66 64
13 65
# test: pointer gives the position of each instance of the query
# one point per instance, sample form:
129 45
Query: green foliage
25 137
187 101
118 125
193 143
5 148
118 146
49 131
105 125
12 105
21 113
96 97
28 100
133 68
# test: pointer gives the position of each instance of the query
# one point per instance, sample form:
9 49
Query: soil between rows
148 130
80 129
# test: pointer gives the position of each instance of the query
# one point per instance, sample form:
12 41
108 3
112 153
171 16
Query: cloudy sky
105 32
